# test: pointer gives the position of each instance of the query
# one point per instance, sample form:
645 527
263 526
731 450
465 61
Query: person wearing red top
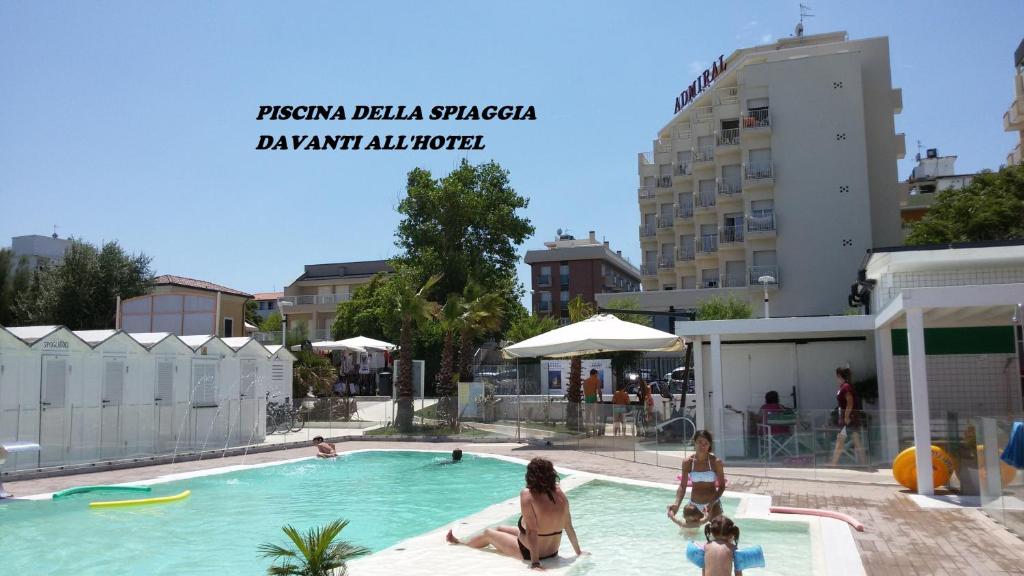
849 417
771 406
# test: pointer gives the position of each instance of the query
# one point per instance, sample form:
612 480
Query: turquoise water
626 531
386 496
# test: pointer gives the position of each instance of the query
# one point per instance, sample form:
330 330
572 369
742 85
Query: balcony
706 199
705 154
709 283
267 337
648 269
684 210
685 253
666 262
1013 119
727 188
664 182
317 299
730 234
757 272
729 137
758 173
663 145
544 280
665 221
683 134
707 244
733 281
761 221
647 231
703 115
727 96
756 119
645 193
321 334
645 158
1016 156
682 169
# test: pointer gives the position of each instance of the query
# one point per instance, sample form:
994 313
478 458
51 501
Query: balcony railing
663 145
729 137
758 171
683 134
730 234
647 231
314 299
705 154
665 221
645 158
666 262
707 244
709 283
733 281
544 280
321 334
757 118
706 199
683 169
645 193
703 114
685 253
267 337
727 188
664 181
684 210
730 95
757 272
761 221
649 269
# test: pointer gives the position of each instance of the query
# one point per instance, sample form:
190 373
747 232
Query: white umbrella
601 333
328 345
364 343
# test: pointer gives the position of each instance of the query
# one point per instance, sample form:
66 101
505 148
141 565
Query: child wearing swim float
723 537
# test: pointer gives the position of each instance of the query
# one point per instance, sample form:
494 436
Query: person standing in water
707 473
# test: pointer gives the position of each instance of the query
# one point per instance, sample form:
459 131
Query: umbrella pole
519 402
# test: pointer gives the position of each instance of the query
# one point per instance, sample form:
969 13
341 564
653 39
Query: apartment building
1013 119
266 303
185 307
932 175
567 267
311 300
38 250
778 170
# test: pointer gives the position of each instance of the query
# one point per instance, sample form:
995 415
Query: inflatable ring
84 489
904 467
160 500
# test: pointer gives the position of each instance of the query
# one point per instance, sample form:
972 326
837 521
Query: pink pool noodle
815 512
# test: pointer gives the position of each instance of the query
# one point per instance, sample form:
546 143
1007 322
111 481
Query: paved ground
901 538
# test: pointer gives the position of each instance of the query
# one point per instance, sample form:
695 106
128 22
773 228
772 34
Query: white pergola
940 306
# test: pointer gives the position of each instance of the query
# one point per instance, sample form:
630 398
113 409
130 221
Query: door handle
45 403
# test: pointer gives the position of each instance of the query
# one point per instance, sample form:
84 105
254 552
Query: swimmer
324 449
692 518
723 537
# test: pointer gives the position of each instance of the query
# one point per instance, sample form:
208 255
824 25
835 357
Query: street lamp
281 305
766 280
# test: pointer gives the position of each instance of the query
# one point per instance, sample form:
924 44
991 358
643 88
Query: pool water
625 529
386 496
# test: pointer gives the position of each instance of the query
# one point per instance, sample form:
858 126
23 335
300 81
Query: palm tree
450 317
482 314
317 553
414 310
579 310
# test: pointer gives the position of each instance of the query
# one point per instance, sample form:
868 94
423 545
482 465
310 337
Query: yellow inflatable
904 467
1007 473
160 500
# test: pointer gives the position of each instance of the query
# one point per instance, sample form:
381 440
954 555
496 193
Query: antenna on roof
805 12
55 230
918 150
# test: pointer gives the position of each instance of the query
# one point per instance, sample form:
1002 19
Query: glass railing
1000 484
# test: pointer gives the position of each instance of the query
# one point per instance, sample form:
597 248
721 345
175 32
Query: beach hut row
101 395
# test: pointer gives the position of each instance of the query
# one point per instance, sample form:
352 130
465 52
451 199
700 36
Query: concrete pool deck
901 538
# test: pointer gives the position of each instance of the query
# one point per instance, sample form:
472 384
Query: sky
136 121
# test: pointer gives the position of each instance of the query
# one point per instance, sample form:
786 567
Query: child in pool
692 519
723 538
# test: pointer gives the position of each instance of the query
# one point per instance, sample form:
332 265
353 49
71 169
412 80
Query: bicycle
284 417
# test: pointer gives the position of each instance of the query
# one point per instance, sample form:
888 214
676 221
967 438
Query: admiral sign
698 86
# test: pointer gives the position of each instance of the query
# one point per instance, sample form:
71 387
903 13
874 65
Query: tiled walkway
900 538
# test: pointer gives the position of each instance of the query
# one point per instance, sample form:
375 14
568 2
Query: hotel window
544 278
545 302
563 275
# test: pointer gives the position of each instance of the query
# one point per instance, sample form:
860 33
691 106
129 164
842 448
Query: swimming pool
625 529
387 497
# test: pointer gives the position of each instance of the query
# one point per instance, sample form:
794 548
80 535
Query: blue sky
136 121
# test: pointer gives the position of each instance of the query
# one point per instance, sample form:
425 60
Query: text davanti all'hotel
777 167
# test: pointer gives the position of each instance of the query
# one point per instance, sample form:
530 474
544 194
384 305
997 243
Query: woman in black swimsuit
545 514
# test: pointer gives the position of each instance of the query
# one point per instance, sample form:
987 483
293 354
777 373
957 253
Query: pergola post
919 400
698 382
717 397
886 377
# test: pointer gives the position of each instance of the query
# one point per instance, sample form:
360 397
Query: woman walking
849 419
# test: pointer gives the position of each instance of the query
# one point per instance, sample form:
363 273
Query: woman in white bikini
707 473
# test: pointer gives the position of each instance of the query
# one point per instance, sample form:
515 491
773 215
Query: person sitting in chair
771 406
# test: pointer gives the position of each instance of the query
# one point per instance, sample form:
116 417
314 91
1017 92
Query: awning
601 333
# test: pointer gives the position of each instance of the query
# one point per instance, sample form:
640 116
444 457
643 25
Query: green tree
450 318
81 291
464 226
15 279
579 310
526 327
252 314
312 373
317 553
370 311
272 323
414 310
718 308
991 207
481 315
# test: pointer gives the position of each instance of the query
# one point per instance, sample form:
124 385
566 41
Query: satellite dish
559 231
799 29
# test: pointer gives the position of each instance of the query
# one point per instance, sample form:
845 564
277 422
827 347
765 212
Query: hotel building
778 168
311 301
1013 119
